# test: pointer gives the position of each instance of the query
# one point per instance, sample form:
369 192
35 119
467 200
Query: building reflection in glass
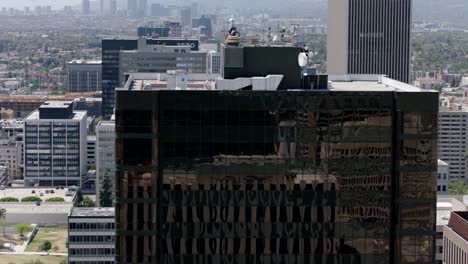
276 177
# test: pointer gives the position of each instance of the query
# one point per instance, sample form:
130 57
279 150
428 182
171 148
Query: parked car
68 193
38 203
41 194
52 191
33 191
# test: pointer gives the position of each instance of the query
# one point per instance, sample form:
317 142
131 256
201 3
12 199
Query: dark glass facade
110 70
276 177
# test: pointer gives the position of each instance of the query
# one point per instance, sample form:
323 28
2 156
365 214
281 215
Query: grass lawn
22 259
57 235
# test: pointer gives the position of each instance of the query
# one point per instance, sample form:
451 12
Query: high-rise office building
113 7
194 9
105 153
369 37
86 7
55 145
84 76
110 70
185 17
111 50
142 8
343 175
161 55
102 6
453 142
132 8
214 62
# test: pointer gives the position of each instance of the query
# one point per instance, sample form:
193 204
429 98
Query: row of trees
31 199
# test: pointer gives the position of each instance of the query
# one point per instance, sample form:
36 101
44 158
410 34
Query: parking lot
43 193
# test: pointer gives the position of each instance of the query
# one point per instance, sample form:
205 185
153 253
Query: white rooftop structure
364 82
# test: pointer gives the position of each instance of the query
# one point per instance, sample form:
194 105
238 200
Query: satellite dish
303 59
275 38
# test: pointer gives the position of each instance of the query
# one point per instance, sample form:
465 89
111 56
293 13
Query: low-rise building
91 236
456 239
446 204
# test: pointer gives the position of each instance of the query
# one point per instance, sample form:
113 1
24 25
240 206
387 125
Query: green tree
22 228
46 246
105 192
78 200
31 199
457 188
88 202
55 200
9 200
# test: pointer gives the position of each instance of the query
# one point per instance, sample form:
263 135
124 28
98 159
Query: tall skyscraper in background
185 17
113 7
369 37
86 7
132 8
344 175
110 70
142 8
194 9
101 6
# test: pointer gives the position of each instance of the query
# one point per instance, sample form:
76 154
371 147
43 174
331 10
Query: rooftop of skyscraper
356 83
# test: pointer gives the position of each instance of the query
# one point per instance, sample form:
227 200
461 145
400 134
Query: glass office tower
276 176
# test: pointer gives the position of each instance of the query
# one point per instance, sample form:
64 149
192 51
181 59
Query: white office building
55 145
105 152
442 177
91 236
453 143
214 62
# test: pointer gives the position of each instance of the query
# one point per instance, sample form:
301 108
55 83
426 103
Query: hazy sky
23 3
